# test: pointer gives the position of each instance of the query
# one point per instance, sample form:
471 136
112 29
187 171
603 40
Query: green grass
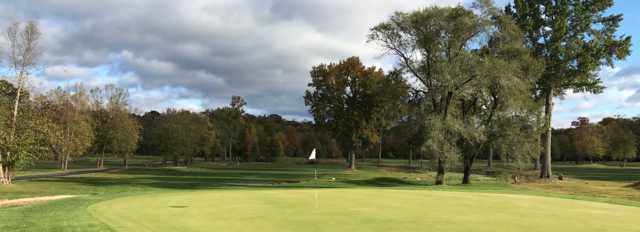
412 187
600 172
47 167
359 210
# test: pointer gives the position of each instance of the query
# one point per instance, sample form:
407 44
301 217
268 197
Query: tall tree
22 59
434 46
345 99
505 75
26 144
574 38
394 103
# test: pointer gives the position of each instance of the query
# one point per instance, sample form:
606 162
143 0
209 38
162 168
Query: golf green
359 210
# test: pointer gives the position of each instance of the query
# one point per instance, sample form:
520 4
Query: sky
196 54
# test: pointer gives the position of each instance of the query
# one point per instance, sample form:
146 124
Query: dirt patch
31 200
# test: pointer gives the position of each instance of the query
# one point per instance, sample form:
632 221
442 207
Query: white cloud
261 50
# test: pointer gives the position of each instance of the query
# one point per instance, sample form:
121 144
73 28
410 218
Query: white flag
313 154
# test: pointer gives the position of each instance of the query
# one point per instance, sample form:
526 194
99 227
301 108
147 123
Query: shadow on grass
212 178
634 186
383 182
603 173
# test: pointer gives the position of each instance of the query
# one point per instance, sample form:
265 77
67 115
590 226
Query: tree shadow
635 186
193 178
384 182
618 174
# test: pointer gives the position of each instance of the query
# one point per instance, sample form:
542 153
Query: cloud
198 54
632 70
64 72
584 106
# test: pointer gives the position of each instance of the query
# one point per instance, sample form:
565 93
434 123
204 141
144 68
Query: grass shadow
384 182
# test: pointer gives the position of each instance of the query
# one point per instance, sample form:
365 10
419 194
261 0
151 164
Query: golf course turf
284 196
359 210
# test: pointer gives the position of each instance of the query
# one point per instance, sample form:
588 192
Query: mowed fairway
359 210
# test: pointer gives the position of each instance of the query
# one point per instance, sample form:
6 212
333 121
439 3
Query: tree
116 131
292 141
249 140
23 53
19 149
150 143
394 102
125 135
434 46
229 124
68 124
574 38
344 99
588 140
183 135
621 142
505 74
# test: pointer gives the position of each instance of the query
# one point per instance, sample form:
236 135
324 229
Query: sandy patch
31 200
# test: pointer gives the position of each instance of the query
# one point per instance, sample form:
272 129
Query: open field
224 197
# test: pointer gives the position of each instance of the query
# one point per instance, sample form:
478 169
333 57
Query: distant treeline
611 139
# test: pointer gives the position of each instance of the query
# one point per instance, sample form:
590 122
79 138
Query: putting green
359 210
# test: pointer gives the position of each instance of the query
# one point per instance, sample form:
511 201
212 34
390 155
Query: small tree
116 131
229 123
588 140
68 123
124 135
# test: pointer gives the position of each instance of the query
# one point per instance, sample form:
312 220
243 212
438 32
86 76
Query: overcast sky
196 54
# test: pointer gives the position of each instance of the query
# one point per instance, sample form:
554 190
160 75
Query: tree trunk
490 160
411 156
2 181
536 164
66 163
5 174
440 172
624 162
352 160
545 171
100 162
380 151
125 162
468 163
14 119
231 151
